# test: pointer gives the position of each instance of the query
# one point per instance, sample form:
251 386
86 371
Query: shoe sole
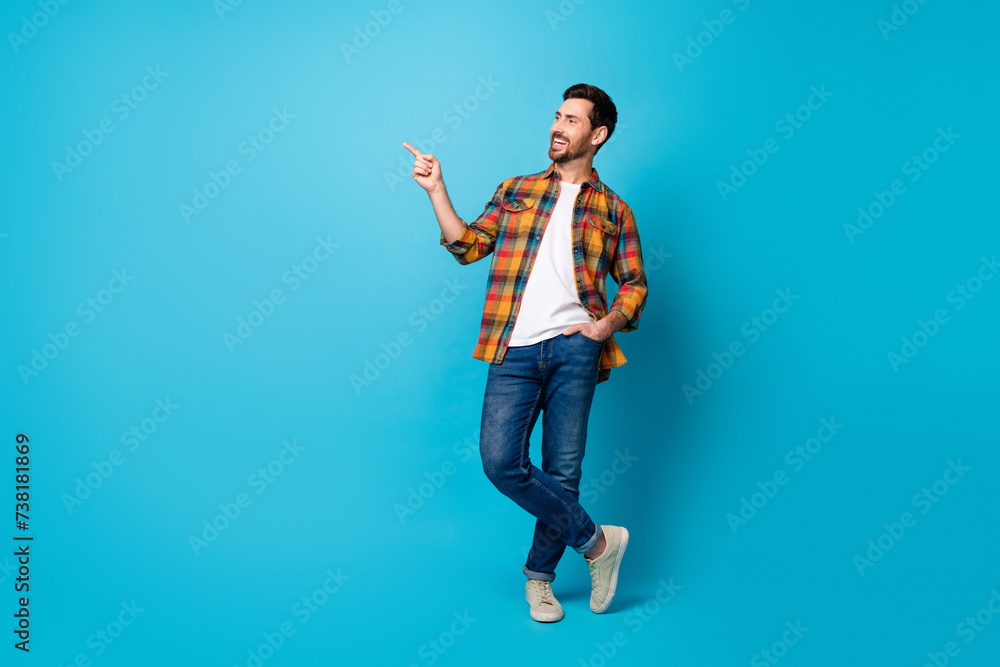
614 573
543 617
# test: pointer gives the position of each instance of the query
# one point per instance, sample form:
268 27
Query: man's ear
599 135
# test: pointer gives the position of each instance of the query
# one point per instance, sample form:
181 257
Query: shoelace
545 593
593 573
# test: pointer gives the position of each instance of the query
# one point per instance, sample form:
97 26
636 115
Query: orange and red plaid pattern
605 240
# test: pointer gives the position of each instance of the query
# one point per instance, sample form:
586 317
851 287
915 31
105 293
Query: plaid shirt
605 240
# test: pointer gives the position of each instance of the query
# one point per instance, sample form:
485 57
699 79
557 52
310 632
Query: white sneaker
544 606
604 568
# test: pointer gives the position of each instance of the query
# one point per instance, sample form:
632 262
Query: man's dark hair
603 112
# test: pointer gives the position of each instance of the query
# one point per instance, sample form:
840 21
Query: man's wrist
438 192
614 321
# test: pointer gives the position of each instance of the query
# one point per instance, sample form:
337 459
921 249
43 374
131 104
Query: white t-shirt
550 303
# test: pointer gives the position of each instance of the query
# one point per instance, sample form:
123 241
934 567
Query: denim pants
556 377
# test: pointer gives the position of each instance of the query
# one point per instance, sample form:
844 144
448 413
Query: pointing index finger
413 150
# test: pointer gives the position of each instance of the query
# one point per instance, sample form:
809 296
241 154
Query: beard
572 151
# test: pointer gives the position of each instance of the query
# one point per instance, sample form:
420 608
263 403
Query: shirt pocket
518 205
518 218
603 225
600 236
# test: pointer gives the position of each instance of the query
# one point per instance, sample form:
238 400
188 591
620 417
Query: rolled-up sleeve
478 237
627 270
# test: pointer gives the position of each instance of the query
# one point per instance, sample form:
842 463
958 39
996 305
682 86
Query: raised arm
467 242
427 173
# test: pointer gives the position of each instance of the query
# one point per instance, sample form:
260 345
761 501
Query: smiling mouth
559 143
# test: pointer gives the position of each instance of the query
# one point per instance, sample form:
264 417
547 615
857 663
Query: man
547 332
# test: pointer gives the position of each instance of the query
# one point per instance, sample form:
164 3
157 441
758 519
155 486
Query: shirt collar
594 181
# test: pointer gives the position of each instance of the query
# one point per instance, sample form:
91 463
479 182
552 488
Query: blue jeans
556 376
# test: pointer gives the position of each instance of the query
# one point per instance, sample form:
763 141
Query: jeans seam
527 424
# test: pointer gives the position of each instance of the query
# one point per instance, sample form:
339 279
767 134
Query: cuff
628 311
464 241
541 576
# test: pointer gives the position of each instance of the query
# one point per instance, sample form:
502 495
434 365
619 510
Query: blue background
407 438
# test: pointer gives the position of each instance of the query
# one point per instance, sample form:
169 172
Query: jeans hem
591 542
541 576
